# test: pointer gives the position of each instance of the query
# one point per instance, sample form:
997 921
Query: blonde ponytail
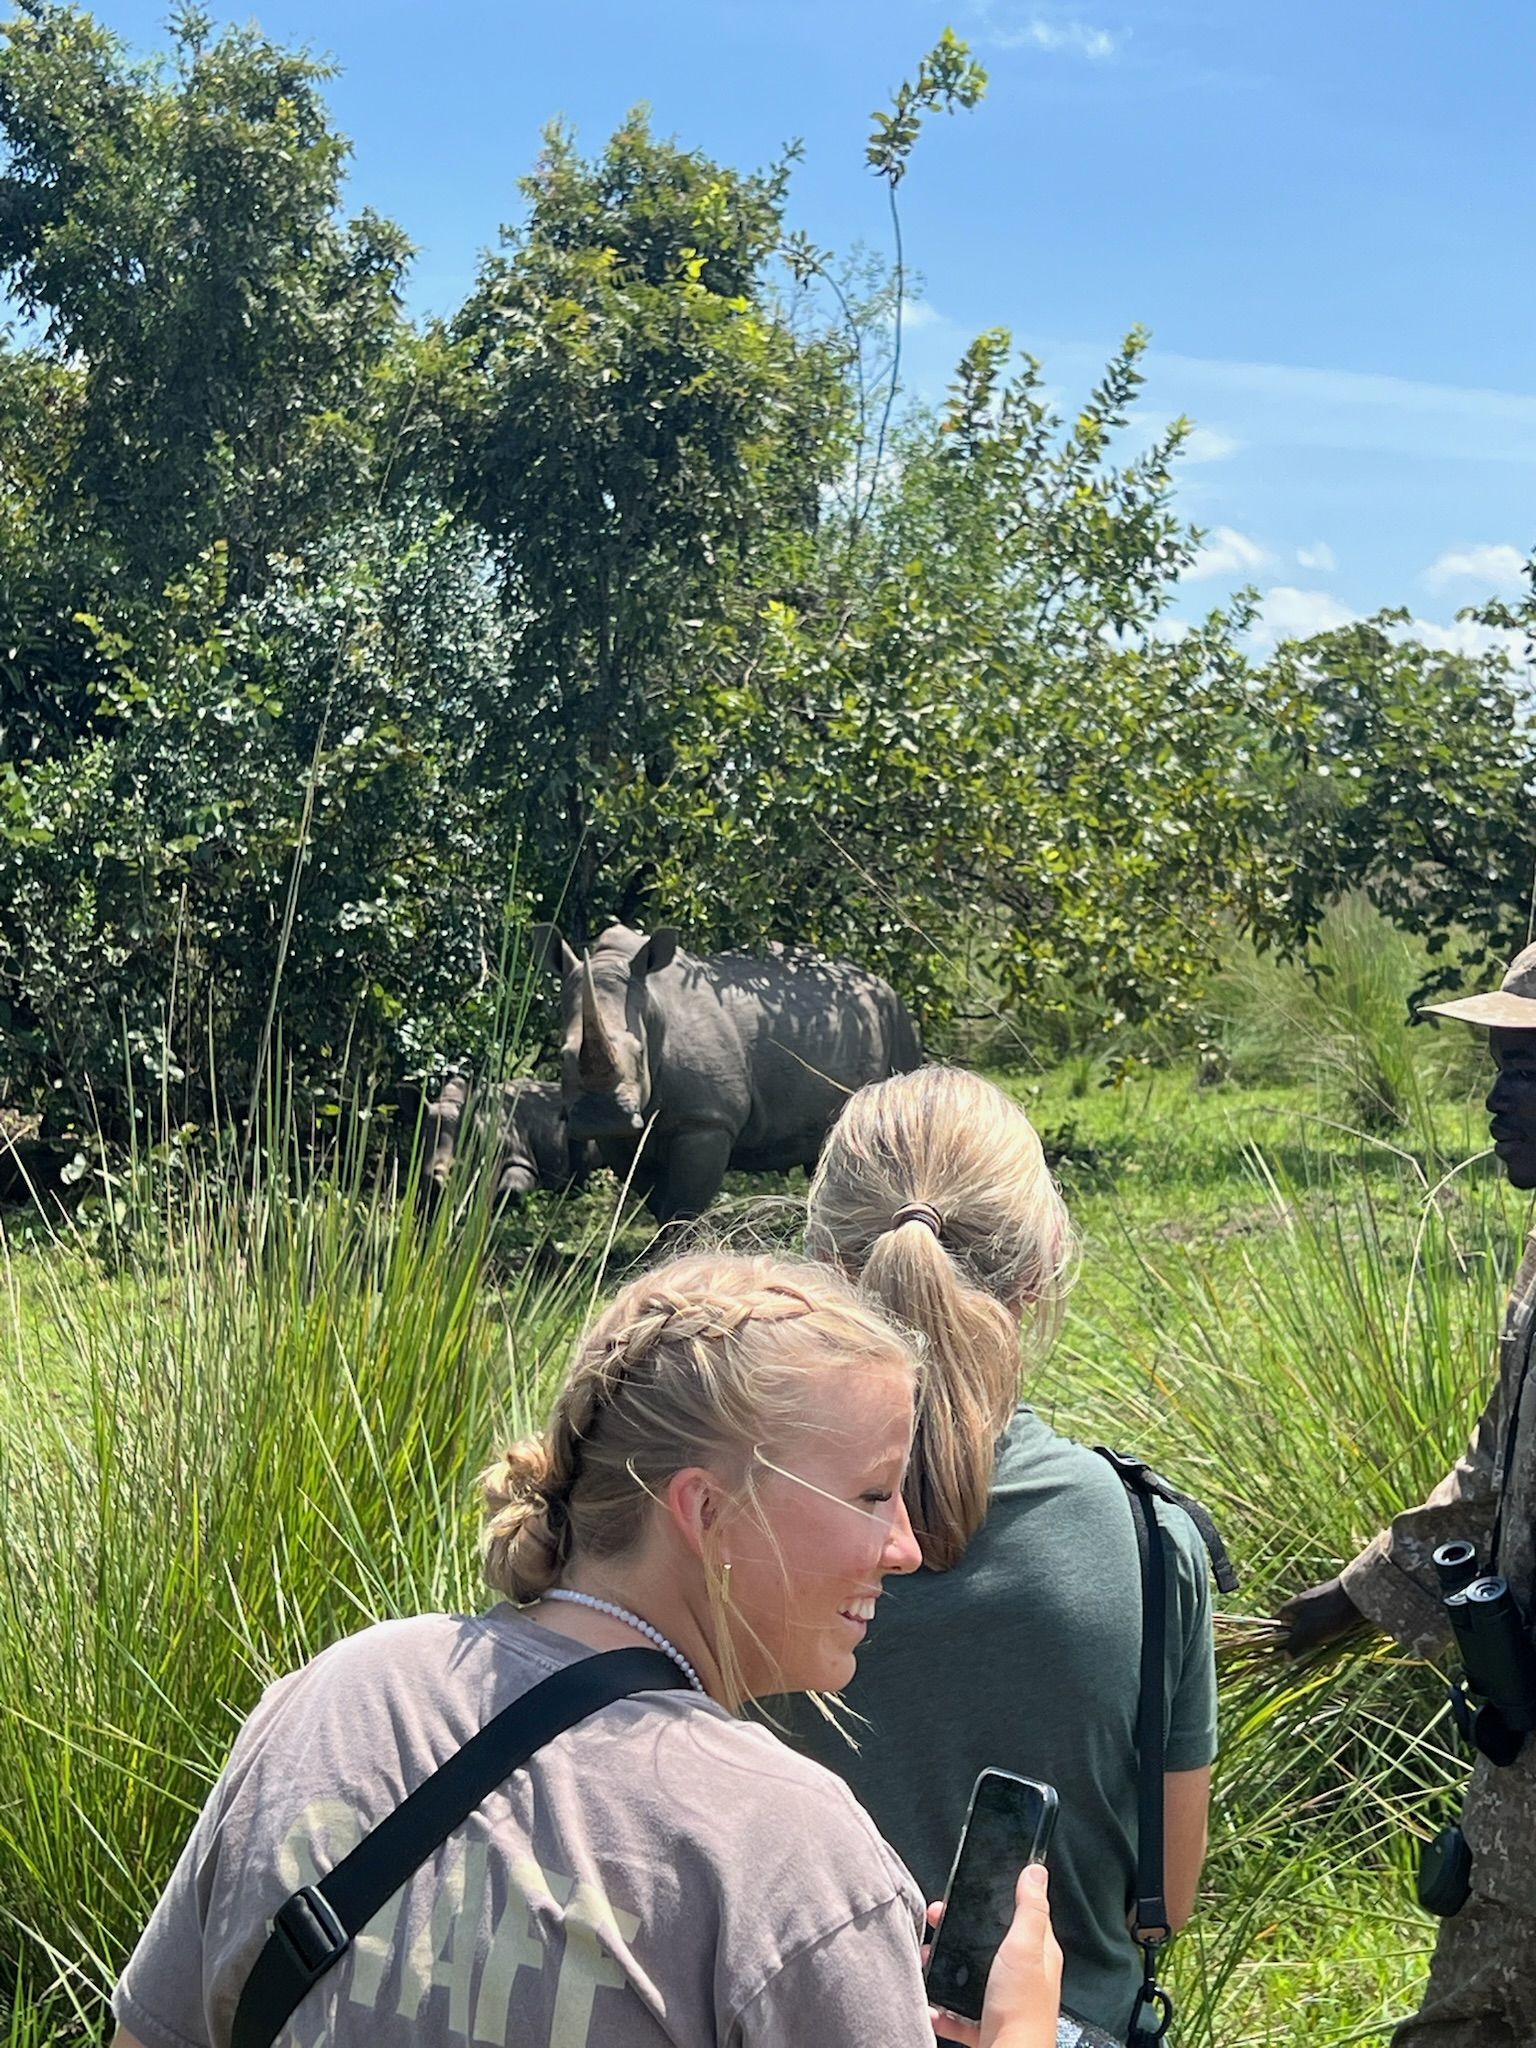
932 1190
970 1383
527 1533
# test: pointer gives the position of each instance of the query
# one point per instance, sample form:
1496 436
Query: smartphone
1007 1824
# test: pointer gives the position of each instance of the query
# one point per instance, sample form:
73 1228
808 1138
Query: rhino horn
597 1056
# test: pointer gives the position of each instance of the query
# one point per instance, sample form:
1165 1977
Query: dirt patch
1245 1223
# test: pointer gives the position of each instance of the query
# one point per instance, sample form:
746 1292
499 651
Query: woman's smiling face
829 1524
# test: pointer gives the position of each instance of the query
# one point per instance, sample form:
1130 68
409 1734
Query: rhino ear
548 950
659 950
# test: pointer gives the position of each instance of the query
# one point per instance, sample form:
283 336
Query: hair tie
919 1212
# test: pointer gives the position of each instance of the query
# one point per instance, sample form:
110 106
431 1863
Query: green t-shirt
1024 1657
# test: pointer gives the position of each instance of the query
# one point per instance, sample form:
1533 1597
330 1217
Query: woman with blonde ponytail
718 1486
1018 1645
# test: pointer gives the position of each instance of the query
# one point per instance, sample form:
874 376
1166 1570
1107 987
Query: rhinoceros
518 1129
700 1065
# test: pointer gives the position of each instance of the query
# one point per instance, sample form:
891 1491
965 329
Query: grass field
1296 1321
254 1425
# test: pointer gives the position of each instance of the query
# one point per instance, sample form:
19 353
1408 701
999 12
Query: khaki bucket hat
1509 1007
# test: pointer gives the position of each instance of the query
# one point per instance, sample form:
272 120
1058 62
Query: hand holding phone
1007 1825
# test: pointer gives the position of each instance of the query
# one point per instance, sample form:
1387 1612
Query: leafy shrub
1408 774
1343 1016
303 799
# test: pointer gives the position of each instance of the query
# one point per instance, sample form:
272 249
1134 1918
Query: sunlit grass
257 1428
1306 1377
266 1439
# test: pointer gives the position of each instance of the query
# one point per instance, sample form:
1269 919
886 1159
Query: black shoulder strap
1153 2013
1151 1736
1221 1564
316 1926
1135 1473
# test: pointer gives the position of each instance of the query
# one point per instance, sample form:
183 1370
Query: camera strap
1152 2014
314 1927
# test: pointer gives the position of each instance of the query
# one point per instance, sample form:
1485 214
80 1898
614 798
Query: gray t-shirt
1025 1657
661 1873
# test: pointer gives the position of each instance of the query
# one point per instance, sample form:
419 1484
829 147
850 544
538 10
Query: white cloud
1287 613
1169 629
1497 566
1206 445
1075 38
1467 637
1320 556
917 313
1226 553
1347 409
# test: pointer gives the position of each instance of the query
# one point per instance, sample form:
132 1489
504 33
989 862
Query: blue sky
1322 209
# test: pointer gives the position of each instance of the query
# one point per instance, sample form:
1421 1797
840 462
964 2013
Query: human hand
1023 2001
1023 1998
1321 1615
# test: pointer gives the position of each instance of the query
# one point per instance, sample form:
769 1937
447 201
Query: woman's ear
694 1500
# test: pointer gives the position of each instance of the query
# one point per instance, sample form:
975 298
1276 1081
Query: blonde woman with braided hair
716 1497
1021 1638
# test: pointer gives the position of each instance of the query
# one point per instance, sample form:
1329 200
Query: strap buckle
1152 2014
311 1931
1152 2017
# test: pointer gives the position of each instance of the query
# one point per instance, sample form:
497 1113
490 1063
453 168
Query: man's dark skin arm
1321 1615
1325 1613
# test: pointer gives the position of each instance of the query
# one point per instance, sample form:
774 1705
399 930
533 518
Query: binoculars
1498 1665
1496 1652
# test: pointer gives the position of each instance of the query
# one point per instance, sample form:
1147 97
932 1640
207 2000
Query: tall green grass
1307 1379
255 1424
267 1439
1345 1017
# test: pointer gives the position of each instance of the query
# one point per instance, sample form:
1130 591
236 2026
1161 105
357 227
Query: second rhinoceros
681 1068
513 1130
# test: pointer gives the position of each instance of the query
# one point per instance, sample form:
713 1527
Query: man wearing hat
1482 1983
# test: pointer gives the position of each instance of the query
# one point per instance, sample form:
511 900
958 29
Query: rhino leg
689 1178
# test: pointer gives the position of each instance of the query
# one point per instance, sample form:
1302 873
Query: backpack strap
1136 1475
314 1928
1153 2012
1222 1567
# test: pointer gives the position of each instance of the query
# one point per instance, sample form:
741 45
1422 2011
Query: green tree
978 747
290 824
1410 774
234 755
217 333
638 422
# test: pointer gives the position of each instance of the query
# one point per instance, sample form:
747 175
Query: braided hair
701 1361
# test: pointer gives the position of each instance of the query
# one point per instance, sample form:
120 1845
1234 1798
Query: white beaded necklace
632 1621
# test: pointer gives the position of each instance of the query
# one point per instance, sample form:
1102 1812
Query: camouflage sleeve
1392 1581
